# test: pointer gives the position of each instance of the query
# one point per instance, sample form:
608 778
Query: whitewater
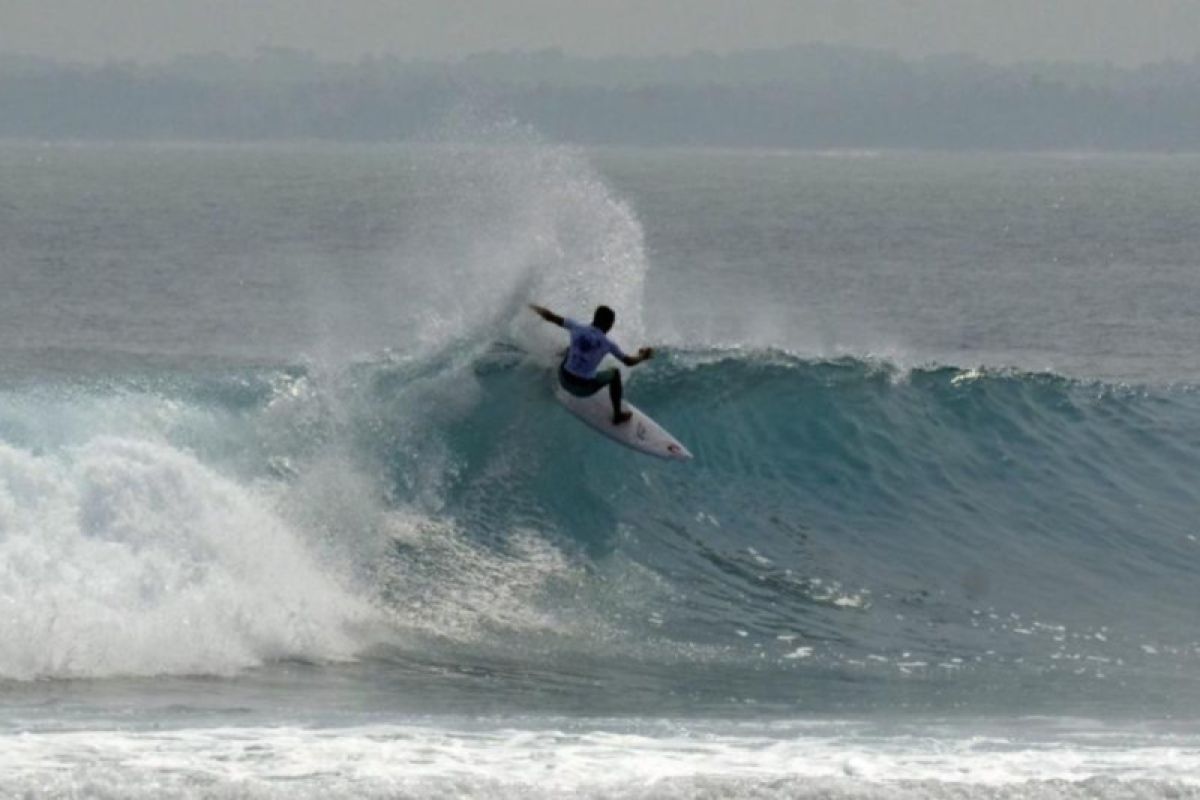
287 508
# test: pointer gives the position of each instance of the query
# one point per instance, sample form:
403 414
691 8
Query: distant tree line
807 97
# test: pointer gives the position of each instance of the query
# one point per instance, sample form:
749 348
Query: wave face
844 521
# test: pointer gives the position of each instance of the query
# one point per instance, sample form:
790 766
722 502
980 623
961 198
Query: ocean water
287 508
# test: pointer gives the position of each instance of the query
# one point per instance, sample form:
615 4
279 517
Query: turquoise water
287 509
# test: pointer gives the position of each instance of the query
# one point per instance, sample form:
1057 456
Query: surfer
579 372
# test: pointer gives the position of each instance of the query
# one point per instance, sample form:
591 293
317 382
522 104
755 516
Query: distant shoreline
595 149
812 97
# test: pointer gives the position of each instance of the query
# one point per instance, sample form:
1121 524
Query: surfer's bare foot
622 417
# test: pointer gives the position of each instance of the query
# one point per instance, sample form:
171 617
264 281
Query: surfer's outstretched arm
546 314
645 354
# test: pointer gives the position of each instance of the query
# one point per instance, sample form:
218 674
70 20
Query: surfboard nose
679 452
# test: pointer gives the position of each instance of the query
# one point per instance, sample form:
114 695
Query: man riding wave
580 373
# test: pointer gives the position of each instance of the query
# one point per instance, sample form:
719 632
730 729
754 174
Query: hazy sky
1121 31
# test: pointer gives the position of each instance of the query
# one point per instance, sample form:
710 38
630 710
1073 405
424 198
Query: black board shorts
584 387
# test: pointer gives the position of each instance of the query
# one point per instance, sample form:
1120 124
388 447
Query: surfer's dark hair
604 317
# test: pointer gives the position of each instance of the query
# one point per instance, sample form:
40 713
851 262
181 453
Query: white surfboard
640 433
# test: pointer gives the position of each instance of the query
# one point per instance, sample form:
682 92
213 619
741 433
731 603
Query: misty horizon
816 96
15 57
1002 32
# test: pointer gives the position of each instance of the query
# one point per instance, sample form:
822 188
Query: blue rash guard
589 346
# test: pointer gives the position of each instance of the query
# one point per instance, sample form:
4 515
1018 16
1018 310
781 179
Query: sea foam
128 556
